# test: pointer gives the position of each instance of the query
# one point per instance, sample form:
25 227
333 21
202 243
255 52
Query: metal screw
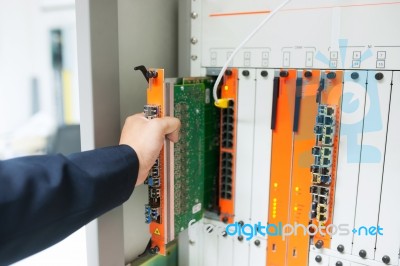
245 73
225 219
386 259
319 244
240 238
228 72
264 73
331 75
284 74
318 258
241 223
354 75
308 74
257 242
378 76
194 57
340 248
194 15
193 40
362 253
339 263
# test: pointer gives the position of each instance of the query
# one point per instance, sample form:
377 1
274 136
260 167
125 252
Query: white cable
270 15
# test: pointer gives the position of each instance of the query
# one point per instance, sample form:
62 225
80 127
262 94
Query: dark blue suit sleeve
43 199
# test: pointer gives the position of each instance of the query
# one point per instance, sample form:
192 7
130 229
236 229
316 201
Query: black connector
313 214
324 191
315 169
326 140
314 205
154 202
318 130
322 200
325 170
154 172
226 171
226 175
325 179
155 193
314 189
322 217
316 151
319 119
326 110
324 161
328 120
328 130
228 125
226 180
326 151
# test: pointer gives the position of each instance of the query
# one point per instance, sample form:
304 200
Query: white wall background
24 54
16 56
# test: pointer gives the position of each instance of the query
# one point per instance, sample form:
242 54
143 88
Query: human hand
146 137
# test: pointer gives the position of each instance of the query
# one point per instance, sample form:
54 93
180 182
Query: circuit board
196 153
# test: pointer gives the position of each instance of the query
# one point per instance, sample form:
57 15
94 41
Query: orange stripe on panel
240 13
280 168
263 12
304 140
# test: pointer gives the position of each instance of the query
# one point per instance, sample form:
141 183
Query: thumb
170 127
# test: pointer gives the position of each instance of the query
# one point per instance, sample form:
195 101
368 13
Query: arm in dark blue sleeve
43 199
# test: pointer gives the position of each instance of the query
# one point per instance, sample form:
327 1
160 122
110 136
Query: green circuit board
196 153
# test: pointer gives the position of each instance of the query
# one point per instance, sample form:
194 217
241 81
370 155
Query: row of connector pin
228 125
226 175
324 131
152 209
226 157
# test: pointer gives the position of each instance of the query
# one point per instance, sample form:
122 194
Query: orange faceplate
280 167
155 96
229 91
332 96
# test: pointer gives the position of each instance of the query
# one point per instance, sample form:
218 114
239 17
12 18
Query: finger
169 124
134 117
139 115
174 136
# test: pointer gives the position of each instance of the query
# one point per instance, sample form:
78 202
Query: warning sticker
157 232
